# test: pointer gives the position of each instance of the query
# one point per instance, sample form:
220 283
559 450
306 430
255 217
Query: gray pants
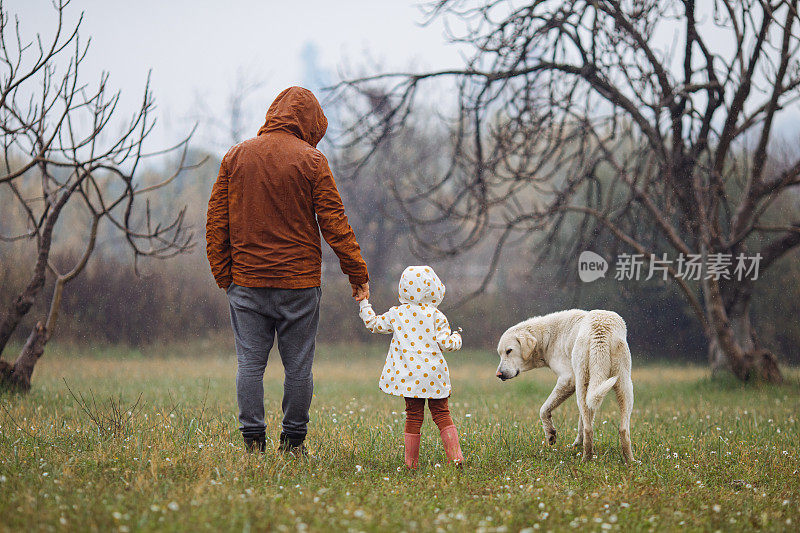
257 313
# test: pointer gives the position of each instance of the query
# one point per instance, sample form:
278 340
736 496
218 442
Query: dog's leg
586 414
624 390
588 434
579 437
563 390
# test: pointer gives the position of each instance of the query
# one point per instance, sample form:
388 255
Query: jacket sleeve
447 340
375 323
218 241
335 228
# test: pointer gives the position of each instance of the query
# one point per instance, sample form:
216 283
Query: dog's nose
499 374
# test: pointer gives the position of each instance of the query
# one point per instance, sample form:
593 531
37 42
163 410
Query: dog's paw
551 437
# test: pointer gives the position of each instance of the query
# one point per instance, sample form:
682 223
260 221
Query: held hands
360 292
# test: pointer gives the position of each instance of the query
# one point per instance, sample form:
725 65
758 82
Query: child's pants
257 315
415 413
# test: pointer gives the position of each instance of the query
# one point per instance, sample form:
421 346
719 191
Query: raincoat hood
420 285
297 111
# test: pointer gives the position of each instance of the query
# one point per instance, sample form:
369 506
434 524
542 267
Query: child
415 367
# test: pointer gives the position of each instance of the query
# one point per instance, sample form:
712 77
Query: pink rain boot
411 441
452 448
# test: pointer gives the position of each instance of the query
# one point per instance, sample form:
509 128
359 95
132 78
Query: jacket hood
297 111
420 285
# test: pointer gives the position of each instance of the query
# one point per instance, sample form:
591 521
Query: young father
273 196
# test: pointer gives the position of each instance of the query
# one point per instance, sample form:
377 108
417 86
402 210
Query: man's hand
360 292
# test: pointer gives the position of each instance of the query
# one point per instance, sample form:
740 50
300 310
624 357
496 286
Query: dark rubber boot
253 444
292 446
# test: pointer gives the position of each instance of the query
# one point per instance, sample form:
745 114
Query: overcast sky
195 48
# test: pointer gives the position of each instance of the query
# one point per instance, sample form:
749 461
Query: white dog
589 353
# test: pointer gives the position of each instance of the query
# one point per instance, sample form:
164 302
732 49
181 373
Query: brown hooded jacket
273 195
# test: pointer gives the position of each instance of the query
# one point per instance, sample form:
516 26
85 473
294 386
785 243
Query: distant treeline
177 299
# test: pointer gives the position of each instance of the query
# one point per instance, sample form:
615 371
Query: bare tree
372 184
569 116
63 150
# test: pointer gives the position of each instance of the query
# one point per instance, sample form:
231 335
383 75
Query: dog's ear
527 341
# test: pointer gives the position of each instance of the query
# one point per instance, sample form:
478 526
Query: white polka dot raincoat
415 366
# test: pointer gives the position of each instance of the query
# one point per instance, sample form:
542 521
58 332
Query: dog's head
518 352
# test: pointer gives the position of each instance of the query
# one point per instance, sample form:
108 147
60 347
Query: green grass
715 455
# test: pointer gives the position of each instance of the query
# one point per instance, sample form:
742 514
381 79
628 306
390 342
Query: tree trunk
20 307
18 376
23 303
753 361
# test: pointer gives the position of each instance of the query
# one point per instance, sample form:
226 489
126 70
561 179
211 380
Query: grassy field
715 455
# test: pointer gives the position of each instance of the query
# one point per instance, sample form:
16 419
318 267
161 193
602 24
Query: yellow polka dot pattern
415 365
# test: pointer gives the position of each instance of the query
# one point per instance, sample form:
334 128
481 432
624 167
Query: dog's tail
599 369
594 398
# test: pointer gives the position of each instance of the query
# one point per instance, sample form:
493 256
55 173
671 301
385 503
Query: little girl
415 367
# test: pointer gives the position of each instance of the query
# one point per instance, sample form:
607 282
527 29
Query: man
273 195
